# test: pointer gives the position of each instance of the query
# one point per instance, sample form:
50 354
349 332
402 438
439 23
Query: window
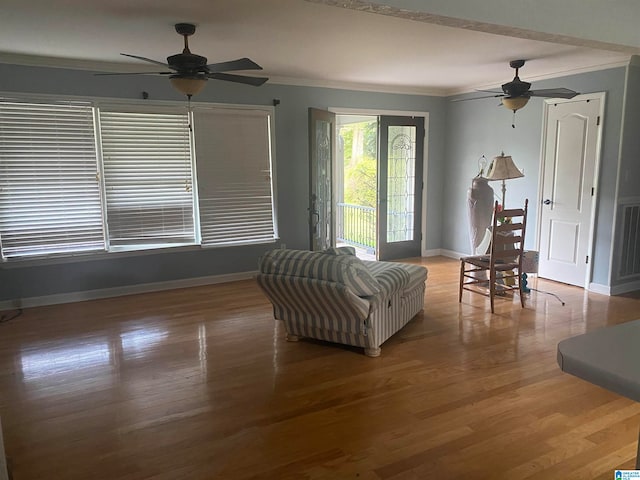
233 158
77 177
49 189
146 163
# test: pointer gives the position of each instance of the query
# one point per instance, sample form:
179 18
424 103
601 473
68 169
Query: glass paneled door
400 187
321 154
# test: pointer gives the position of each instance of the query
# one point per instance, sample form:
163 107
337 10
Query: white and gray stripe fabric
340 251
317 303
346 269
319 296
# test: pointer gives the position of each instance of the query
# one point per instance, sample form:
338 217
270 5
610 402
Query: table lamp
503 168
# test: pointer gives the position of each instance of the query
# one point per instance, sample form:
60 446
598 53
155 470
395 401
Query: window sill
116 252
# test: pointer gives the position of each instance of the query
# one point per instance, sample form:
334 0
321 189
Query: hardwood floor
200 383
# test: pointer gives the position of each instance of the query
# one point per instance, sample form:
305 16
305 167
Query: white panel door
570 154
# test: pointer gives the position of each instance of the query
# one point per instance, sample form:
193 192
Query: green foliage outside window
360 145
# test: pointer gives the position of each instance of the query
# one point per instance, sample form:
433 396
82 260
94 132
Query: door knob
547 202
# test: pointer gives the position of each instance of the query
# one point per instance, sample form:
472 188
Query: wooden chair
505 257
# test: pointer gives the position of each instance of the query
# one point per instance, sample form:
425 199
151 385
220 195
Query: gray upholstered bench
609 358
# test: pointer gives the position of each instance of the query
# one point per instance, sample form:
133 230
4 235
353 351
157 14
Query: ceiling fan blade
496 95
230 66
255 81
136 73
553 93
145 59
490 91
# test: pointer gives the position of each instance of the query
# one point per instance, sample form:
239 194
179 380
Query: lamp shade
503 168
514 103
188 85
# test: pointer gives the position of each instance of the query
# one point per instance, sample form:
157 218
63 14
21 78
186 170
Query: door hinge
422 186
587 260
598 121
593 191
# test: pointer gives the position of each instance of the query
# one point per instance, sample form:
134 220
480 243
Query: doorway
378 184
356 183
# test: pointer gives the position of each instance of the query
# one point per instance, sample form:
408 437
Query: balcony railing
356 225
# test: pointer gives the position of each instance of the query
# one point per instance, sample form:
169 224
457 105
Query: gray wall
480 127
629 182
459 133
291 170
630 151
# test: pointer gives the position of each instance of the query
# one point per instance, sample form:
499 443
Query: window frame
272 156
108 107
119 252
51 148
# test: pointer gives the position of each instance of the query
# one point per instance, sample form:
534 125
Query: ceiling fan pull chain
513 122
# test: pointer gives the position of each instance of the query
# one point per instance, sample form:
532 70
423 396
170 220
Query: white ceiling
296 41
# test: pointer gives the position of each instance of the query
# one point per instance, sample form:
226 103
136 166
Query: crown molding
126 67
549 76
363 87
74 63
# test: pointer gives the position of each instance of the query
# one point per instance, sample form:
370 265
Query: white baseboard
436 252
452 254
121 291
599 288
625 288
616 289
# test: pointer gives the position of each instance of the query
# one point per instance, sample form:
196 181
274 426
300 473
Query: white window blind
49 190
233 160
146 160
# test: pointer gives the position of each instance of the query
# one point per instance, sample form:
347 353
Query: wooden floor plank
200 383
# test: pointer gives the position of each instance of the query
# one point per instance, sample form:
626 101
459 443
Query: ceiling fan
515 94
189 72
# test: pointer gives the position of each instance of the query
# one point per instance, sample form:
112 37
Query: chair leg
492 287
462 264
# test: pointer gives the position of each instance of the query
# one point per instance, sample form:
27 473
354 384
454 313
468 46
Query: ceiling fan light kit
189 86
189 72
515 103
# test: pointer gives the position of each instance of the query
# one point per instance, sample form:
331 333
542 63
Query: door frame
548 102
425 154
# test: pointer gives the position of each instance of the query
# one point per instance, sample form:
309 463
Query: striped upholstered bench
335 296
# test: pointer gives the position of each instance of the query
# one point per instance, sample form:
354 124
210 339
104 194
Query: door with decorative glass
321 153
401 153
